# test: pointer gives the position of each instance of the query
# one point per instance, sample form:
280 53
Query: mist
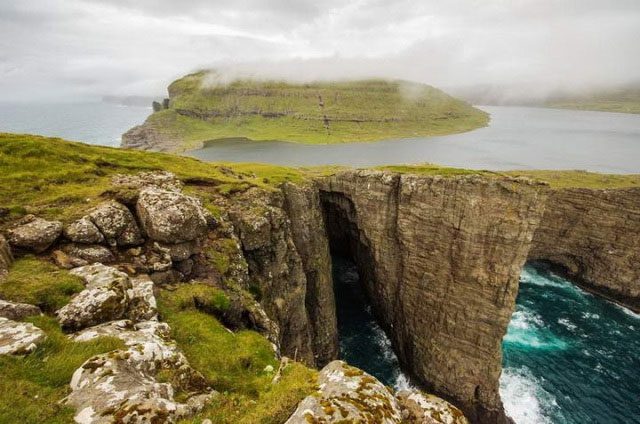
66 50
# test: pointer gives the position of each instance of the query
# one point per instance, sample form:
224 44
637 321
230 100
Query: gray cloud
70 49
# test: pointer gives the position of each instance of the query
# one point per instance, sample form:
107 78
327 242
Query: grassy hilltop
322 112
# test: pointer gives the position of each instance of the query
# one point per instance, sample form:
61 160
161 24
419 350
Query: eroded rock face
17 311
421 408
83 231
6 257
19 338
105 298
121 386
347 394
117 224
33 233
595 236
170 216
440 258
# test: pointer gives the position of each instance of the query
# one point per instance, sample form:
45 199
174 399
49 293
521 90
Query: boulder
33 233
181 251
6 258
142 301
171 217
347 394
422 408
159 179
90 253
83 231
65 261
18 338
105 298
17 311
121 386
117 224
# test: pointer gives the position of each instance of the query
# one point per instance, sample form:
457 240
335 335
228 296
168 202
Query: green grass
355 111
622 100
32 386
555 179
40 283
60 179
233 363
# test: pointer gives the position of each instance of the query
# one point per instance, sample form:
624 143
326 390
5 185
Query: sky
75 49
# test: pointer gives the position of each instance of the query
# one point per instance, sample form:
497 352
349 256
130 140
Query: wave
527 328
525 401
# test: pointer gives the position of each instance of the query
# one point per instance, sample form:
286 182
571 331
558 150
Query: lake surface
93 123
516 138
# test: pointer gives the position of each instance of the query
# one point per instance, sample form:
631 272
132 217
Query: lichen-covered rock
19 338
33 233
142 302
83 231
171 217
65 261
6 257
90 253
422 408
347 394
17 311
121 386
105 298
117 224
159 179
181 251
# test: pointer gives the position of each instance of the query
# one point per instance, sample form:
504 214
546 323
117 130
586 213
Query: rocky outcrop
440 259
116 223
350 395
83 231
121 386
171 217
19 338
594 235
34 234
6 257
105 298
17 311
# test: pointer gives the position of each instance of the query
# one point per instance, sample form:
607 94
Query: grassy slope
383 109
622 100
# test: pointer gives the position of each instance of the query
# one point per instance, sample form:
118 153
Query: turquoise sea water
569 357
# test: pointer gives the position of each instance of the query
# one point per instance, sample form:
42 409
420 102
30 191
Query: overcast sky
68 49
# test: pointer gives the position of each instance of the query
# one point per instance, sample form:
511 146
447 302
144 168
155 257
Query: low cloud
76 49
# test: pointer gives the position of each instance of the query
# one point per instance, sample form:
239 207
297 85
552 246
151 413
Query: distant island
200 107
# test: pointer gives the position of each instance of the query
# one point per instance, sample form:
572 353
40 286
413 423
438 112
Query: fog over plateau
78 49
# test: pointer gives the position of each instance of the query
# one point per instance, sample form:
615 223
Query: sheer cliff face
285 246
440 258
595 236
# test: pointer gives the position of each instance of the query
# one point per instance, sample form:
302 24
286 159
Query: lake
516 138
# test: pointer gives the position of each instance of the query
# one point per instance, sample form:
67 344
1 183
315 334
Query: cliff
205 106
440 258
594 236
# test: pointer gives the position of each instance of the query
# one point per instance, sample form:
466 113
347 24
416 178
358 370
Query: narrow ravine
569 357
363 343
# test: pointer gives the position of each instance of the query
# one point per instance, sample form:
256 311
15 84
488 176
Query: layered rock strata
594 235
440 258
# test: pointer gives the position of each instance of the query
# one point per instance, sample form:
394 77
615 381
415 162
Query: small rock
117 224
181 251
17 311
90 253
166 277
65 261
105 298
19 338
84 231
206 421
34 233
142 301
418 407
6 258
171 217
268 369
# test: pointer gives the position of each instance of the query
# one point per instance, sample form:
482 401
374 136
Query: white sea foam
627 311
525 401
590 315
527 328
402 382
567 324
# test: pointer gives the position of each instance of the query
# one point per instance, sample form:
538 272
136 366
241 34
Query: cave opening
362 340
